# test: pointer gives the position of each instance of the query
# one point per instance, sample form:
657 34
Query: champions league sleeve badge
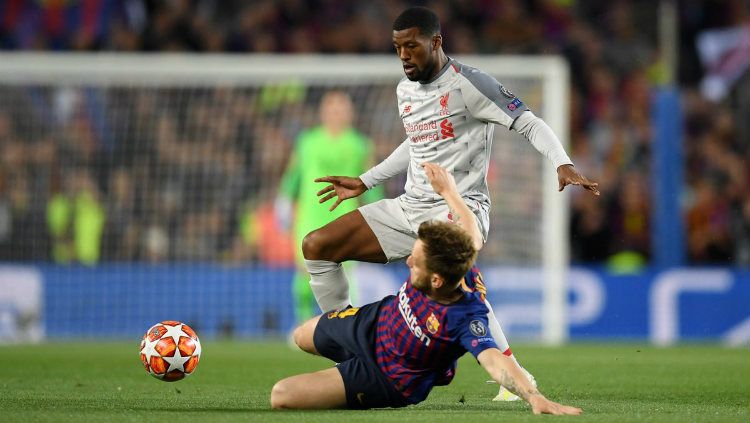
477 328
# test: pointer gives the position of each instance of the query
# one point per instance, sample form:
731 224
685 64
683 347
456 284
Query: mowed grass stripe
88 381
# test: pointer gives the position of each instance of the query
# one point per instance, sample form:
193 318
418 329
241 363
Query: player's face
336 111
417 53
420 276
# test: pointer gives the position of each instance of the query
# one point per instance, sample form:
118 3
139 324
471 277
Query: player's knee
280 395
303 339
313 246
297 336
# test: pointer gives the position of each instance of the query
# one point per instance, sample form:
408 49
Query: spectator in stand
76 220
121 231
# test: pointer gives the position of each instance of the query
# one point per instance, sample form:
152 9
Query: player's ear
437 42
436 281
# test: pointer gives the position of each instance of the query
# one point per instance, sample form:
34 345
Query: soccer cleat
506 395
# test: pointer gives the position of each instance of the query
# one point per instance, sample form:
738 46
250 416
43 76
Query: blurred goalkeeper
449 111
333 147
392 352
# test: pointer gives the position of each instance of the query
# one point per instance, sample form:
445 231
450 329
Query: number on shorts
343 313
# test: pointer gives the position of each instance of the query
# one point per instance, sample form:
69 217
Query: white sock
329 285
497 332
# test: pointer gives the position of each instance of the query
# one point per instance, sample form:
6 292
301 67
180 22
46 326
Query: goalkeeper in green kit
332 148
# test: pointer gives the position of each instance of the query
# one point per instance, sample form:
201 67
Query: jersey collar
439 74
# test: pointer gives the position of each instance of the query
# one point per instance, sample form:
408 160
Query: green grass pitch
95 382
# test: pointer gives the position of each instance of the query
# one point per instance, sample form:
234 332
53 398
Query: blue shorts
348 338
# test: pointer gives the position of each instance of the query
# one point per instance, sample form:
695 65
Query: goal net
141 187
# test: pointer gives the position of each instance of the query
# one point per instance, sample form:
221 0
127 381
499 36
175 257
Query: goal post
165 121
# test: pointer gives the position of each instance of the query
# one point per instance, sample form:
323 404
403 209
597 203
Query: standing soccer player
392 352
448 111
333 147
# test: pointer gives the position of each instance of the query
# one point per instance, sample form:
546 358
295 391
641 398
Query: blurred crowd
615 65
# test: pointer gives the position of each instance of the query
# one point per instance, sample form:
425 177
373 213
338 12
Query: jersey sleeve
473 332
396 163
541 136
375 193
488 100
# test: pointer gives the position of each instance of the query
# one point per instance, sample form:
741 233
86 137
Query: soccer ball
170 350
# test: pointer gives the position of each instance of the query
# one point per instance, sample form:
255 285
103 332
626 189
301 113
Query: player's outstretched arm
393 165
445 185
343 187
541 136
507 373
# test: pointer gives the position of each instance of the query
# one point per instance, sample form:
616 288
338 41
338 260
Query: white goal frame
185 69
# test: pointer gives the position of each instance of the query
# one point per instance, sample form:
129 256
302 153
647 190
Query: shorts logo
446 129
432 324
513 105
477 328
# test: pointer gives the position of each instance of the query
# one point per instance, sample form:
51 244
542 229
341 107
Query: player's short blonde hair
449 250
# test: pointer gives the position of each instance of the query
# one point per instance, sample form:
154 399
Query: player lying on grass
392 352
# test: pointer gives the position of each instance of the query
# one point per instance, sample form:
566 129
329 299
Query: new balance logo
407 108
446 129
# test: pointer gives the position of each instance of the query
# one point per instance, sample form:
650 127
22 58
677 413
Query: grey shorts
395 222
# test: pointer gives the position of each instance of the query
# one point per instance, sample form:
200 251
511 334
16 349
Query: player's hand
343 187
568 175
541 405
440 179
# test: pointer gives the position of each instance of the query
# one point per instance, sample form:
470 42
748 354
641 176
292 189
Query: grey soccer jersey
449 121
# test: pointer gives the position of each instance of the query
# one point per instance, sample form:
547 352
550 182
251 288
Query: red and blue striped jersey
418 340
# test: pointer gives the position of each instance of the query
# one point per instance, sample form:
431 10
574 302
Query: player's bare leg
347 238
320 390
303 335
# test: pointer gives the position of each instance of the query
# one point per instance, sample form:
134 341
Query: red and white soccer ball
170 350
